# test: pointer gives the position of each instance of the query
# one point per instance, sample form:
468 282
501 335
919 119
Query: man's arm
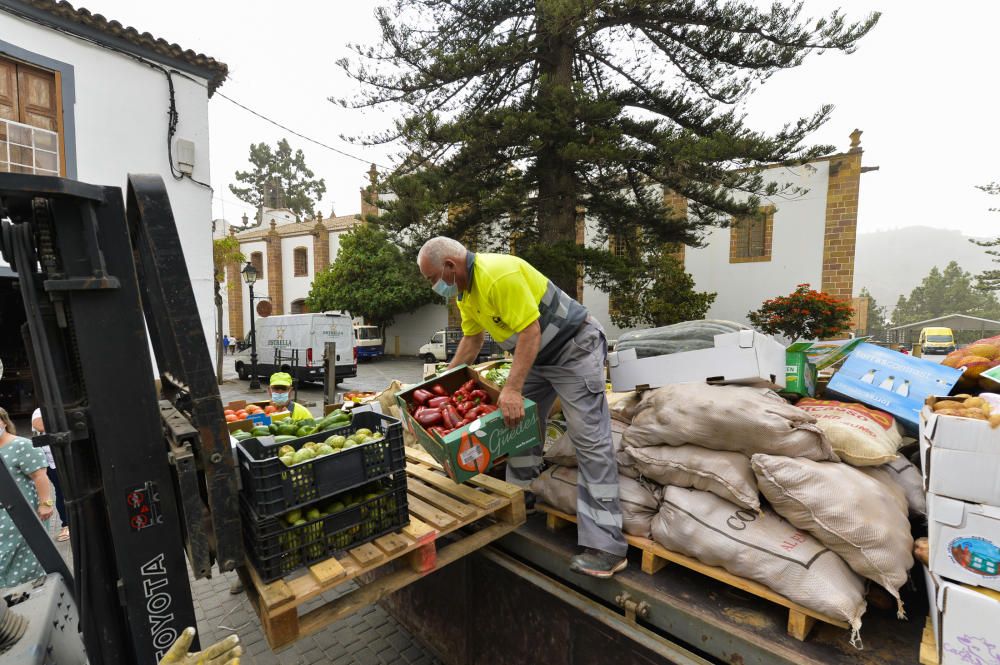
511 402
468 349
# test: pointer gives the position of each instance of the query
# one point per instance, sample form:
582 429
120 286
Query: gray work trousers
577 378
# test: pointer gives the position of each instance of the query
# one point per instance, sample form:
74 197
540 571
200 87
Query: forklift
146 467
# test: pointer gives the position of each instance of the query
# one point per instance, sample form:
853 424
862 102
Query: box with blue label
964 541
892 382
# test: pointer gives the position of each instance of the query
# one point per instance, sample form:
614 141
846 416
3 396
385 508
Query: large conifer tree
520 114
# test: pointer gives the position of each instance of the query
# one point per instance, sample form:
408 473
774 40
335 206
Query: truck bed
691 618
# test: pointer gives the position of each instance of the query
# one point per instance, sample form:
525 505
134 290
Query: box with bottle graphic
892 382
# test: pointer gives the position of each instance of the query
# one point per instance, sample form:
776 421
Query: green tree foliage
950 291
877 318
224 251
370 277
518 114
803 314
989 280
661 293
285 168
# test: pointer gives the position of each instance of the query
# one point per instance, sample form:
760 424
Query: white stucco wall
796 250
334 245
120 119
260 286
296 287
414 330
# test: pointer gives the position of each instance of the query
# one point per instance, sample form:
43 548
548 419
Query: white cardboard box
744 357
960 457
966 622
964 541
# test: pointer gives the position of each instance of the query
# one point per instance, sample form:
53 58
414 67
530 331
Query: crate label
470 455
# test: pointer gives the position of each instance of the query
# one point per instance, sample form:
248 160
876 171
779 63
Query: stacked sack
837 494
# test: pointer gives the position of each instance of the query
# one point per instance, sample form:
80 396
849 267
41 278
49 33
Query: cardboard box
826 353
892 382
965 620
800 375
964 541
469 451
482 368
960 456
744 357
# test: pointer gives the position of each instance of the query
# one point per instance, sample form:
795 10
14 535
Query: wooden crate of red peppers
455 418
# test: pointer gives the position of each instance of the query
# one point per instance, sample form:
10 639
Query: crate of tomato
454 417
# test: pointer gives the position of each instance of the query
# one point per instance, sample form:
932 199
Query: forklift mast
147 477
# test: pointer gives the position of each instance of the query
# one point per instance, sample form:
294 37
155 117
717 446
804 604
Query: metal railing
27 149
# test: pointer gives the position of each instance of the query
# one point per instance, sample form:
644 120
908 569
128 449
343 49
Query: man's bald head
443 258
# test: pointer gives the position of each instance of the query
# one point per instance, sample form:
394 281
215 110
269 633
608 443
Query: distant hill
892 263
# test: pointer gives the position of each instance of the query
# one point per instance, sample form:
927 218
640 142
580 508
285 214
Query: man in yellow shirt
278 388
559 350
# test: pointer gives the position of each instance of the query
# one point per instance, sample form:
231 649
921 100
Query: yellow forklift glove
226 652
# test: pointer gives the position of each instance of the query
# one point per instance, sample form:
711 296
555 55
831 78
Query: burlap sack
760 547
726 474
640 502
623 405
737 418
859 435
902 473
556 486
849 512
562 453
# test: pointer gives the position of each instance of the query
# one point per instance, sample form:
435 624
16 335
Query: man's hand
226 652
511 404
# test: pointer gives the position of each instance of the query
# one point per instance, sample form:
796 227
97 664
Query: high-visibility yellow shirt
506 294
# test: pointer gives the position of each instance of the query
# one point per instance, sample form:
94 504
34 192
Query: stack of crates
294 516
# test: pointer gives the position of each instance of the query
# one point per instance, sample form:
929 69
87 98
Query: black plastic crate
270 487
277 549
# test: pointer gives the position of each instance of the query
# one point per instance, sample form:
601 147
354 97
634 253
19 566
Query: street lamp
250 276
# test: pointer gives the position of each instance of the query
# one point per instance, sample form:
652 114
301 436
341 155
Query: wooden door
36 90
9 109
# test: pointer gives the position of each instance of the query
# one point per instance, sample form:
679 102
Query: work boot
597 563
236 587
529 502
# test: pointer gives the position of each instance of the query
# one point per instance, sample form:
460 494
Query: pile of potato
976 358
966 406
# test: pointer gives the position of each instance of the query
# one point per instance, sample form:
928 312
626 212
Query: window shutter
36 92
755 233
8 91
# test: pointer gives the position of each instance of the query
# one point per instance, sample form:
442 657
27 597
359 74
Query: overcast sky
920 87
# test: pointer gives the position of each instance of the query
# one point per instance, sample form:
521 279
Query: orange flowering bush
803 314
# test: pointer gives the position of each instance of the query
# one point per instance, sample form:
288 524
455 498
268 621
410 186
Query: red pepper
479 397
417 411
487 408
420 396
465 407
451 416
440 431
469 385
438 390
437 402
429 417
460 395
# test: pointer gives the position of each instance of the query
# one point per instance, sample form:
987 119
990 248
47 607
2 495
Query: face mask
444 289
279 398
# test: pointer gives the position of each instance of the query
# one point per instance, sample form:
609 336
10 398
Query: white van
368 339
307 334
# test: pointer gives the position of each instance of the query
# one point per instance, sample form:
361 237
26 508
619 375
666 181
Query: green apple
299 522
303 455
364 431
288 460
293 516
324 450
313 514
286 450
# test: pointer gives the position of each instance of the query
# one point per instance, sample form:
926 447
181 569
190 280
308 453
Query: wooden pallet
438 507
654 557
928 645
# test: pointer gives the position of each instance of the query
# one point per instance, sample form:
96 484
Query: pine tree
943 292
521 115
284 169
989 280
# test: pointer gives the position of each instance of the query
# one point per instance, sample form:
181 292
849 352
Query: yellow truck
937 341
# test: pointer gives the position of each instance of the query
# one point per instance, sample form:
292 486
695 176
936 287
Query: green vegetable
498 375
261 431
305 430
284 438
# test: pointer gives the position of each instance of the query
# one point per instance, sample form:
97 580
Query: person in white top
38 427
